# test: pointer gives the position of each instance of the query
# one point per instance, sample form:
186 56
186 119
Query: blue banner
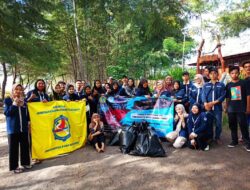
121 111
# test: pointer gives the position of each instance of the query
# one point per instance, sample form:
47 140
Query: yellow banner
57 127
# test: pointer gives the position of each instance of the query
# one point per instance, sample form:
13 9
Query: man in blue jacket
213 95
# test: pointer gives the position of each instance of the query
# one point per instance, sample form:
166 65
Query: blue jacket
71 97
14 115
180 95
212 92
186 88
197 124
164 93
39 96
193 93
142 92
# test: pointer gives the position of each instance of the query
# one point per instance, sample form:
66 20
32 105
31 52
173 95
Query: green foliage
135 37
176 72
235 19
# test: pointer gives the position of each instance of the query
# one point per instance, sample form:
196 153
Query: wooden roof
229 60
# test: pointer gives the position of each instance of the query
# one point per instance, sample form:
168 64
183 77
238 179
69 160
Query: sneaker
207 148
247 147
232 145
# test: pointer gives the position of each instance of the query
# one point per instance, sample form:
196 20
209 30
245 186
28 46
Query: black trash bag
127 139
114 140
148 144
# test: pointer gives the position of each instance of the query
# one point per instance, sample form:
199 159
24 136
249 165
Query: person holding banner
160 90
38 94
115 89
98 87
55 95
143 89
169 84
15 110
96 135
180 134
198 128
71 95
129 90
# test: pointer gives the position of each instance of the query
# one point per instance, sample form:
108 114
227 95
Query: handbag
90 137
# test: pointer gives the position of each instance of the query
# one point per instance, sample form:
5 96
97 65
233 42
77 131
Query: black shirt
237 94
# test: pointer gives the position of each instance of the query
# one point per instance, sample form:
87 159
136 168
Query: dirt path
219 168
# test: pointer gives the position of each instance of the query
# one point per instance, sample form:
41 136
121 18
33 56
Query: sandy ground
219 168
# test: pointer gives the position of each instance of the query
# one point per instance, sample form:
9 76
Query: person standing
213 94
38 94
196 90
186 86
236 95
206 74
246 67
15 110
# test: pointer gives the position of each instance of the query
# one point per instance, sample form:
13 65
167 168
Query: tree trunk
14 74
82 69
4 79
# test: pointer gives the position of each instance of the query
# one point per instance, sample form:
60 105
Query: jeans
214 116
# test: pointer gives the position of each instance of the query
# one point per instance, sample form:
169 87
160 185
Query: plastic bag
148 144
115 139
127 139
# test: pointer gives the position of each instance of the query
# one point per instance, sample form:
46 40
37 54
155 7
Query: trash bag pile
139 139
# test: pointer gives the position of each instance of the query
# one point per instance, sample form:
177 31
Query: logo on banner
61 128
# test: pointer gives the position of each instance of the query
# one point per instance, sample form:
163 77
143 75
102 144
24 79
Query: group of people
198 104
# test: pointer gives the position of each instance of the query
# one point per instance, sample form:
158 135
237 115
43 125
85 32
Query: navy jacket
39 96
142 92
71 97
14 116
164 93
212 92
197 124
124 93
193 94
180 95
186 88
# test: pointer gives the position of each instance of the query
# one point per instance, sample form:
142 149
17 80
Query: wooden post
220 55
199 55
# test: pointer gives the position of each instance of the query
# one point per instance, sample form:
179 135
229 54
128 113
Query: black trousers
16 140
233 120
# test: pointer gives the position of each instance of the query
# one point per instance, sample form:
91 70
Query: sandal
37 161
27 167
18 171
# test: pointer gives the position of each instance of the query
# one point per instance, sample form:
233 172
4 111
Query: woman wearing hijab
197 128
160 90
71 95
169 84
15 110
180 134
196 90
